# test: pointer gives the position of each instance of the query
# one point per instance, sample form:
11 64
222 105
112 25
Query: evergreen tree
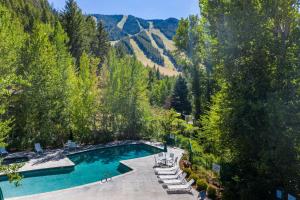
101 45
179 100
73 22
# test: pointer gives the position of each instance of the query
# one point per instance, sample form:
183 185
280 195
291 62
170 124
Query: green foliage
86 102
179 100
11 171
181 38
43 110
211 192
201 185
11 43
80 29
188 172
101 46
193 176
30 11
256 65
125 101
151 52
191 39
160 89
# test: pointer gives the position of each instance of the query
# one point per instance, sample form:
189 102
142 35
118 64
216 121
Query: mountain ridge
149 40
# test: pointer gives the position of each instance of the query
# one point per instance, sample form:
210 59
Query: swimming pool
90 166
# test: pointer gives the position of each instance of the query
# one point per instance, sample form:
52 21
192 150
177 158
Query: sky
147 9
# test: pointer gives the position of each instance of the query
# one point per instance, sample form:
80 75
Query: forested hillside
122 28
235 104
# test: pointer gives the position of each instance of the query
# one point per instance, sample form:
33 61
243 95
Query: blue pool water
89 167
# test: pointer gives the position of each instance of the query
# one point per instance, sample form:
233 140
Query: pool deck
138 184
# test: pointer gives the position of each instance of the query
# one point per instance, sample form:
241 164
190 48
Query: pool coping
156 145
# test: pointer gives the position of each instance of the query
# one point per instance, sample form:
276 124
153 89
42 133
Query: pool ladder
105 180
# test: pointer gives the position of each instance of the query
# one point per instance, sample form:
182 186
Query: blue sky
148 9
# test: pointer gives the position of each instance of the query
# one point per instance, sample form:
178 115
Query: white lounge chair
167 177
171 172
180 180
181 188
38 148
166 169
3 151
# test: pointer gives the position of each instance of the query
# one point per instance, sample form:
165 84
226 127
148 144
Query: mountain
149 40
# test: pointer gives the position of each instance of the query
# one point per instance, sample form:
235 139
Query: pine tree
101 44
73 22
179 100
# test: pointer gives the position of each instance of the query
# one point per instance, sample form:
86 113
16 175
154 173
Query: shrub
211 192
201 185
188 172
194 176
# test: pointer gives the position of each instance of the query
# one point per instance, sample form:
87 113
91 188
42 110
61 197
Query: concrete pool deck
140 183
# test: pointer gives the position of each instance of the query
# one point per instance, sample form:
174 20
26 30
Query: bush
194 176
201 185
211 192
188 172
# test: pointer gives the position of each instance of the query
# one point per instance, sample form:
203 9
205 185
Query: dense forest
236 102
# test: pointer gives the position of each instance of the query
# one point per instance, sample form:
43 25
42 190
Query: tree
256 52
125 106
101 45
73 22
42 111
189 39
179 100
12 40
86 102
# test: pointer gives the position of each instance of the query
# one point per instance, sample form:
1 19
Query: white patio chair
181 188
167 177
179 180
